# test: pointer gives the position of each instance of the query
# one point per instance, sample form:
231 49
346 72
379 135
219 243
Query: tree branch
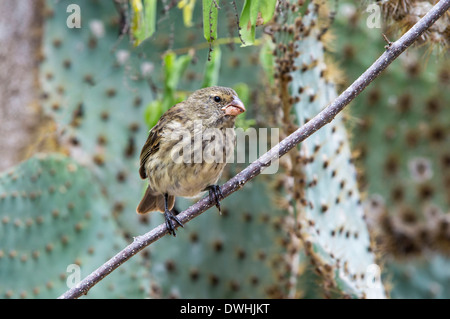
254 169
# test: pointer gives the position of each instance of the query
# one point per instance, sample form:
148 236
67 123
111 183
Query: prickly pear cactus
95 88
400 131
54 231
104 93
324 191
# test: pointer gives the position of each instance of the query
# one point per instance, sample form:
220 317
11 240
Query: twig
205 45
255 168
211 38
389 43
124 22
237 21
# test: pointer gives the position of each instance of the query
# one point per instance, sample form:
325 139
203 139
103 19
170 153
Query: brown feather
151 146
152 201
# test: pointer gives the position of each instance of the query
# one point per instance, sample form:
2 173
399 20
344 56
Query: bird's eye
217 99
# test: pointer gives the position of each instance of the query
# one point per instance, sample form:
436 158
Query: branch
255 168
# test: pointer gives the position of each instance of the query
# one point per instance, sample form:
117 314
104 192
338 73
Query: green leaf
246 25
254 8
152 113
211 75
210 12
136 20
174 68
150 17
267 9
169 68
253 13
143 21
182 63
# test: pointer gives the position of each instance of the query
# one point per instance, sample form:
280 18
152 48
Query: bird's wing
151 146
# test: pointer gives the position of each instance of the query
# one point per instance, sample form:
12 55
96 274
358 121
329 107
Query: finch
187 150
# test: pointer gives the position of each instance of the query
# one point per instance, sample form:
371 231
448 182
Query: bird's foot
215 194
169 216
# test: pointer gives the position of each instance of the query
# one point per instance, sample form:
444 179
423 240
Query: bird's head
216 103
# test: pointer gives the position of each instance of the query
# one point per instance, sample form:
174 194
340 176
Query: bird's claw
215 194
169 216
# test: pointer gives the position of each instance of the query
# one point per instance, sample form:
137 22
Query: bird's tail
153 201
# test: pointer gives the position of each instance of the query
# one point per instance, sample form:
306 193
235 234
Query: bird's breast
193 161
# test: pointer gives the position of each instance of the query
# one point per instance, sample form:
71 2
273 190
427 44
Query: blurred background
360 209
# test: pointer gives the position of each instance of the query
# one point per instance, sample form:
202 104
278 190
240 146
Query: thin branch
211 38
254 169
237 21
389 43
204 45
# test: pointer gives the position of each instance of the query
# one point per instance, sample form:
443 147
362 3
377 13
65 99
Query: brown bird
187 150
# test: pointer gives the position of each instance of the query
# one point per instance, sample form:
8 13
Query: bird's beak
234 108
